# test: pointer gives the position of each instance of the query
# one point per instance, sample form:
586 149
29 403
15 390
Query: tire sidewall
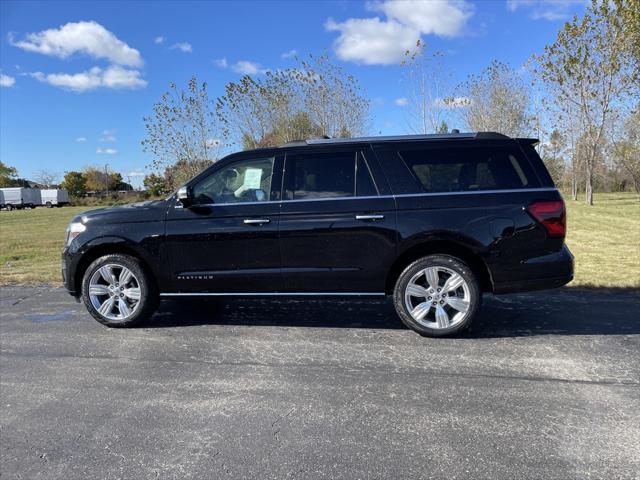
148 294
452 263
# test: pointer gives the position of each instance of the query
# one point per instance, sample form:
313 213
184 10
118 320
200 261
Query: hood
150 211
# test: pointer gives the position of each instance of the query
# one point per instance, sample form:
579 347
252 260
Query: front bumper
538 273
68 268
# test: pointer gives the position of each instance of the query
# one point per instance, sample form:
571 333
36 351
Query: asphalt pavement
545 385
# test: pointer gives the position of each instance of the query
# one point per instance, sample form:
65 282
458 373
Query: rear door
337 222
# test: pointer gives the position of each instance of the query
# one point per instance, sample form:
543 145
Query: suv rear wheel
437 295
118 292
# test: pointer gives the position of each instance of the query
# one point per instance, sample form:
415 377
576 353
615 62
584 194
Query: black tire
148 291
49 205
449 263
9 207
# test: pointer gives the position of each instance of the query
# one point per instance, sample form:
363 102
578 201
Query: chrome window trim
297 201
273 294
370 197
478 192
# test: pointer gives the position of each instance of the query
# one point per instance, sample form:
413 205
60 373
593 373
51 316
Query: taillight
552 215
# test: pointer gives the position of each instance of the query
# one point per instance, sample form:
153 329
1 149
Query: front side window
468 169
242 181
327 175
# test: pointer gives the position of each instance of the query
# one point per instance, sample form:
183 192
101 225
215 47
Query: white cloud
376 41
81 139
106 151
289 54
108 136
89 38
182 46
401 102
112 77
6 80
551 10
135 173
158 40
221 62
445 18
213 142
372 41
245 67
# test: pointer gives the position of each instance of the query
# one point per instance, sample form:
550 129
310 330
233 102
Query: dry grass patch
605 239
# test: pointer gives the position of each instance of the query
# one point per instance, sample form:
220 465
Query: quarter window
468 169
242 181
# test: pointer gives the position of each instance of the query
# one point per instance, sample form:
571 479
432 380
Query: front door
337 233
227 242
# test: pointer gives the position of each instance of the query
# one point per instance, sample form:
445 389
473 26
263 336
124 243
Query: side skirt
275 294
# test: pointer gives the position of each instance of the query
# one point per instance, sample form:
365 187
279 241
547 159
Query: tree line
579 96
77 183
93 179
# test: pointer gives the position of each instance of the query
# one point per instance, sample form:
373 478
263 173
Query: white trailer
18 197
54 197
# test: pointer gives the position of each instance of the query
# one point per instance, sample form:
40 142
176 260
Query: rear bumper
538 273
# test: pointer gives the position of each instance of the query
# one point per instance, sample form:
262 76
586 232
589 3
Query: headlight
73 230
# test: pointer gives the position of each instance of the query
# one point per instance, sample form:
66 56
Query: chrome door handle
369 217
256 221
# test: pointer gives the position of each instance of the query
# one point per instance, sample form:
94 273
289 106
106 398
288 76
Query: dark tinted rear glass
327 175
320 175
468 169
364 183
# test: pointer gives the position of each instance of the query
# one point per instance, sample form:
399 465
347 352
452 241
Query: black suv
431 220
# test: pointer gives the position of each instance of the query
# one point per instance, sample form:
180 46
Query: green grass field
605 240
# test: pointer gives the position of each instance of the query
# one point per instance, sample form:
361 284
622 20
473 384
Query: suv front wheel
437 295
118 292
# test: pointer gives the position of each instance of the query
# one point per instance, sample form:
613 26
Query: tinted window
327 175
469 169
242 181
364 182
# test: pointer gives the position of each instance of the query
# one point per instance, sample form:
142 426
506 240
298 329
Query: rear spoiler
528 141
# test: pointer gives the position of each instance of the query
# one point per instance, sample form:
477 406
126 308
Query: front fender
78 256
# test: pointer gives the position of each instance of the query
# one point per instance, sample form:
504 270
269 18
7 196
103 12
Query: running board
276 294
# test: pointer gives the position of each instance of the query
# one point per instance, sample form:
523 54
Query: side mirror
184 196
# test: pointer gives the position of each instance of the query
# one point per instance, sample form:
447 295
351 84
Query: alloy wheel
114 292
437 297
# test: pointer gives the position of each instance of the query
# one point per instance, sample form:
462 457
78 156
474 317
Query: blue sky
77 77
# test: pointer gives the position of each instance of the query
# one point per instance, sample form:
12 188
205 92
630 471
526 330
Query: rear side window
327 175
468 169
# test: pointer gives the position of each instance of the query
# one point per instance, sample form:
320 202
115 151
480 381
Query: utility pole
106 179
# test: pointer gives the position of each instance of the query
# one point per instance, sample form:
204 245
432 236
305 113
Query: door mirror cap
184 196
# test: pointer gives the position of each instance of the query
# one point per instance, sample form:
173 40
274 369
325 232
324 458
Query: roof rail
391 138
491 136
295 143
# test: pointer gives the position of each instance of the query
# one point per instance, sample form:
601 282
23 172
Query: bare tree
589 70
316 98
553 154
429 90
497 100
183 128
333 100
626 150
47 178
